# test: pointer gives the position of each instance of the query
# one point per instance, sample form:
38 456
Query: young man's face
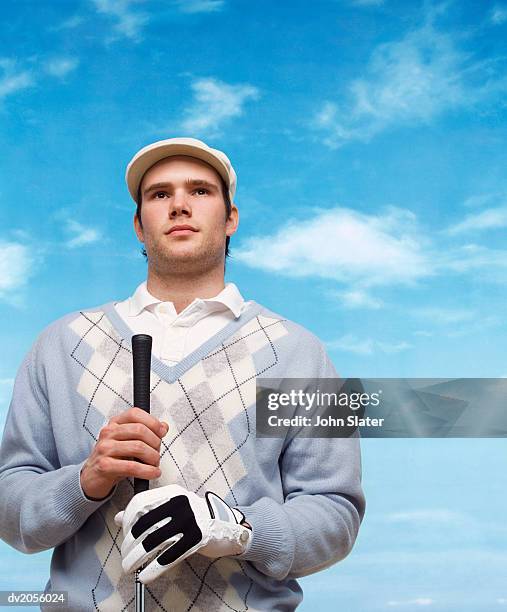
183 191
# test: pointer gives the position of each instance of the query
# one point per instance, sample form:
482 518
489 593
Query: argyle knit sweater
302 496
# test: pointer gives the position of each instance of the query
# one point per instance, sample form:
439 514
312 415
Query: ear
231 225
138 229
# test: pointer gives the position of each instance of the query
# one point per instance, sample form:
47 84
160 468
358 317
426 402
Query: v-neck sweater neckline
172 373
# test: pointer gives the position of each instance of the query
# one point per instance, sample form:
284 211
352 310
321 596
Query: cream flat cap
152 153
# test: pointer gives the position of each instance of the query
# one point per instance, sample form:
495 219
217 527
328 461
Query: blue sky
369 141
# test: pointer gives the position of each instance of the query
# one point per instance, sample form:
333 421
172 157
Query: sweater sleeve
42 503
323 507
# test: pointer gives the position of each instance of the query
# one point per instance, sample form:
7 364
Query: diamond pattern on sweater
199 451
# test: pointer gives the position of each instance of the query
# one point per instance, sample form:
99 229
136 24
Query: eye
159 194
201 189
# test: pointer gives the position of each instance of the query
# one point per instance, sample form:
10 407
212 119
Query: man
230 520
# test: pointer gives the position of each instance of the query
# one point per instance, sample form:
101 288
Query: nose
180 205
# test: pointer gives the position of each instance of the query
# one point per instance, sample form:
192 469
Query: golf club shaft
141 362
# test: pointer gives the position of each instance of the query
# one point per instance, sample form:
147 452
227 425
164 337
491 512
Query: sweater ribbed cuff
272 545
71 504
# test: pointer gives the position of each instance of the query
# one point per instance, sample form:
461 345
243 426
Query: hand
133 434
166 525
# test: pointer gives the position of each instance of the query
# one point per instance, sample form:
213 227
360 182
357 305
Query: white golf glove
168 524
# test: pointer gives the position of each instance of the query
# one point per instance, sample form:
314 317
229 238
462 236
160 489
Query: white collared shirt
176 335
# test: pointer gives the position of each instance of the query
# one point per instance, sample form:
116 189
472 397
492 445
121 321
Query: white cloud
470 257
80 235
215 102
126 22
498 15
61 66
491 218
16 267
346 246
409 81
359 252
418 601
351 344
200 6
129 21
366 346
478 200
13 79
357 298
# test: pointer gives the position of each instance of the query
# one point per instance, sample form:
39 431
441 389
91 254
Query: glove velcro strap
222 511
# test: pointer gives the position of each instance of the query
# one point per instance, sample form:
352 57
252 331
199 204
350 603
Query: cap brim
151 154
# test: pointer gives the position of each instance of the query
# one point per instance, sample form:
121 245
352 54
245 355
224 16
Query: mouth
181 230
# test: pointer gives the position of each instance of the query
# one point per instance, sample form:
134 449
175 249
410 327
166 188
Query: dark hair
228 209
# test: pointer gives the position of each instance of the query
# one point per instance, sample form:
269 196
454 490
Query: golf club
141 362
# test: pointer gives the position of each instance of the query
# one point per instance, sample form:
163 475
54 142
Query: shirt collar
230 297
141 299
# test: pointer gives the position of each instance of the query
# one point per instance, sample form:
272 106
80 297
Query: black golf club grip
141 363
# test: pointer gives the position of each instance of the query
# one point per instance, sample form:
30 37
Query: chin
183 253
176 251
